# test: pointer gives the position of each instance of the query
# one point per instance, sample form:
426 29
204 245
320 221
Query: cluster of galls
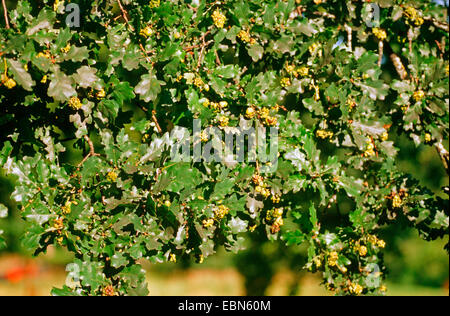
191 78
58 225
173 258
219 107
370 143
108 291
379 33
220 211
219 19
414 17
418 95
5 80
265 115
8 82
275 219
293 72
351 104
245 37
216 106
146 31
315 48
67 208
260 186
324 134
99 95
111 176
375 241
75 103
355 288
331 260
360 246
56 5
48 55
370 148
154 3
398 198
297 71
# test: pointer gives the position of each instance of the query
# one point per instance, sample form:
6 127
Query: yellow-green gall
75 103
418 95
250 112
10 83
285 82
208 222
379 33
219 18
101 94
111 176
356 289
223 121
147 31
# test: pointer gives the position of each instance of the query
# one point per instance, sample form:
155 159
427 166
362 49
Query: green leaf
149 87
122 91
64 37
313 216
44 20
61 87
375 89
303 27
118 260
222 189
85 77
77 54
19 73
64 291
256 52
3 211
228 71
91 275
297 158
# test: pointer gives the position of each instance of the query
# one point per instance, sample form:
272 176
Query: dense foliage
337 78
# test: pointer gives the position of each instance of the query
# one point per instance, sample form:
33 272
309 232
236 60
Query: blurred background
415 267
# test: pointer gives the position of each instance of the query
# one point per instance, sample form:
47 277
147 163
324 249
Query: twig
145 53
380 52
202 50
325 14
440 46
444 154
438 24
410 39
244 69
399 66
155 120
217 58
5 13
124 14
91 153
142 108
192 8
349 37
202 38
